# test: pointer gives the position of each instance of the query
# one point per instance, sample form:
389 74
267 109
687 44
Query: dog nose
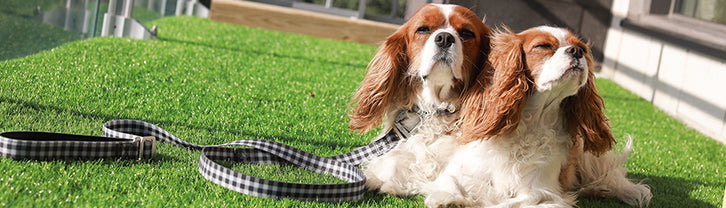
575 51
444 40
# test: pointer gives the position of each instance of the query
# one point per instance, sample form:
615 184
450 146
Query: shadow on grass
675 192
622 98
158 160
273 54
375 198
667 192
161 123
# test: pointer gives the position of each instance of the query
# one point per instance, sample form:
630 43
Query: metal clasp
407 122
142 144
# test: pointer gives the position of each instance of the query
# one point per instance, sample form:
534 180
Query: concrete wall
686 84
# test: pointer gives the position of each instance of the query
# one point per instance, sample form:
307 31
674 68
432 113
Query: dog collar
408 121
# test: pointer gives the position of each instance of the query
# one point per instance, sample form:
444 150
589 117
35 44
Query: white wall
686 84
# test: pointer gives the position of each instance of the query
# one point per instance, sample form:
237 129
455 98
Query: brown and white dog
535 130
422 68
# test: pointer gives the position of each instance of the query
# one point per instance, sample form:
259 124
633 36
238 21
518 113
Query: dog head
549 62
430 60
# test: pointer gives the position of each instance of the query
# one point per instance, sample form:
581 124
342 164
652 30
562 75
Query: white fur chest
536 140
417 160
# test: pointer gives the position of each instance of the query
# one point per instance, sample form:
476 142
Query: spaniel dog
534 130
421 69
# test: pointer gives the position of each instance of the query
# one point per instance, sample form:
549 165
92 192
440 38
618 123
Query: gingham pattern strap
133 139
352 190
129 129
269 152
29 145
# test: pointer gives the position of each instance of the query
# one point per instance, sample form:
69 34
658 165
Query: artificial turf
211 83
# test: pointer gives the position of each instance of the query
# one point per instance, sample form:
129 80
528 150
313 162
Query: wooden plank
300 21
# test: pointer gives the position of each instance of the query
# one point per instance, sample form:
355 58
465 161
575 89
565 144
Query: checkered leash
133 139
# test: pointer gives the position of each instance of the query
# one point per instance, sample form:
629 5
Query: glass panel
386 8
343 4
148 10
31 26
709 10
349 4
319 2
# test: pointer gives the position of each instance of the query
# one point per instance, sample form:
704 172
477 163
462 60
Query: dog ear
494 104
382 84
585 117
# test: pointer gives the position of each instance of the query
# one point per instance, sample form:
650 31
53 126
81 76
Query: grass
211 83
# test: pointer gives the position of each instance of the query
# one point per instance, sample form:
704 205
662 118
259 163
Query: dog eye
467 34
423 29
544 46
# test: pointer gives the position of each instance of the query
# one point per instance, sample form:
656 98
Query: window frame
657 19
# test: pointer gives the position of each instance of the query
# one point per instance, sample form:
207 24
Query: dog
422 69
534 130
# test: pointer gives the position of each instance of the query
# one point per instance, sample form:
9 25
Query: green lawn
211 83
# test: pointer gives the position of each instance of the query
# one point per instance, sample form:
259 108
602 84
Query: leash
133 139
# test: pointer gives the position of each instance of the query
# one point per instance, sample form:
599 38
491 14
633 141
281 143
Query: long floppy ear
585 117
382 84
494 104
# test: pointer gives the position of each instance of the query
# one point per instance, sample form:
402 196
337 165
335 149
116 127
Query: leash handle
31 145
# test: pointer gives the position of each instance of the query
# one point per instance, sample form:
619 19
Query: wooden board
300 21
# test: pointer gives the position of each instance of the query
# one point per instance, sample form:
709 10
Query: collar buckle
407 122
146 144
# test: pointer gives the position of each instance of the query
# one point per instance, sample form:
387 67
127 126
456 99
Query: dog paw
373 183
597 192
393 188
443 199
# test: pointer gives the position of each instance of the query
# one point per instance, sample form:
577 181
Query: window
697 25
391 11
709 10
